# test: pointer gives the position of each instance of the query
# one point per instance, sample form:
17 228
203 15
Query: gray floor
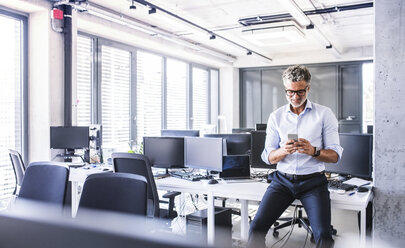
344 221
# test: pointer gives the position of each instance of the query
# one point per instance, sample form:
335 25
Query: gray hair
296 73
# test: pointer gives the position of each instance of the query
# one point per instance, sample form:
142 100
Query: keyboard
241 180
335 184
188 176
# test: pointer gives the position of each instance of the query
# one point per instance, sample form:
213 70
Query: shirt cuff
337 149
265 154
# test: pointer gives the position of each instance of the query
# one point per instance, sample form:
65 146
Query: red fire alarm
57 14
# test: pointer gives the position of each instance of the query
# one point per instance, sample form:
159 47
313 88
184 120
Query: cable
289 231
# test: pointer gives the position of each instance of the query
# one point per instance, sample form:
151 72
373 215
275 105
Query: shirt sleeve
272 138
331 134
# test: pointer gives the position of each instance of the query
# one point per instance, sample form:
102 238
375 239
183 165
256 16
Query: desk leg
244 227
363 228
75 188
211 220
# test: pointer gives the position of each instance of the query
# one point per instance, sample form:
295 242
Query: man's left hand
304 146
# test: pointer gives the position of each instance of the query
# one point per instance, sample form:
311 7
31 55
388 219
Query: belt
300 177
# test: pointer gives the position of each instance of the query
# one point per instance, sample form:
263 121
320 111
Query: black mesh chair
18 167
139 164
119 192
45 182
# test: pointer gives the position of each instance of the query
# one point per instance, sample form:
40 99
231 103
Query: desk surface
254 191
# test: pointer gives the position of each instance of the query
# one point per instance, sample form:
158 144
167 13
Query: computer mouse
362 189
106 169
212 181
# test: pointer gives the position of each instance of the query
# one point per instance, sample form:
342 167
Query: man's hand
304 146
290 147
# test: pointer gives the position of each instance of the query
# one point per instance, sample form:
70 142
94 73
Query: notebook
235 167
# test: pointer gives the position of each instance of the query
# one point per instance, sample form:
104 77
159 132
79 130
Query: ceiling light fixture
151 10
132 6
212 37
249 53
192 24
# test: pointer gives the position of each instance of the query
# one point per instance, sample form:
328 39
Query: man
300 163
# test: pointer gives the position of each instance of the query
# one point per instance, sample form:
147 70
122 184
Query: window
12 74
84 80
115 96
176 94
134 93
148 95
200 98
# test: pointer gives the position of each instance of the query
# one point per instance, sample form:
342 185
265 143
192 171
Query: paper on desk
357 181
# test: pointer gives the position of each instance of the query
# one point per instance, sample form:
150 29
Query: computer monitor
261 126
69 137
242 130
164 152
235 166
179 133
237 143
203 153
356 159
258 141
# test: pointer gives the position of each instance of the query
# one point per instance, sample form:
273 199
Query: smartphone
293 136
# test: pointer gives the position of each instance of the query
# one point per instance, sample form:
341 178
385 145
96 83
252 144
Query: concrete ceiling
351 32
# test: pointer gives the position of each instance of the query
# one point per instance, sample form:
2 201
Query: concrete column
389 139
229 99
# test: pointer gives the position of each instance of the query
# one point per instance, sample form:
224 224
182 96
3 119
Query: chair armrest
171 195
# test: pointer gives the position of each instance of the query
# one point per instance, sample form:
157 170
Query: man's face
296 92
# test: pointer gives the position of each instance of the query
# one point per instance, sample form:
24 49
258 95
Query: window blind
176 94
11 112
200 98
115 96
148 95
84 80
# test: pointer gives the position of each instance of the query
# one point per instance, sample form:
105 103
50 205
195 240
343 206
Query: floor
344 221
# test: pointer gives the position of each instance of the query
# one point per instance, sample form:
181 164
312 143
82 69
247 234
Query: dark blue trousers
314 195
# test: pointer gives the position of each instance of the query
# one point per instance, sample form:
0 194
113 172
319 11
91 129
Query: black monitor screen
69 137
179 133
258 141
164 152
260 126
237 144
235 166
357 156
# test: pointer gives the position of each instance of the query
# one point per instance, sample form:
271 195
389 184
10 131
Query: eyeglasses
298 92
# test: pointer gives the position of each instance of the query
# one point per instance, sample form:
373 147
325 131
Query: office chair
18 167
139 164
46 182
300 220
120 192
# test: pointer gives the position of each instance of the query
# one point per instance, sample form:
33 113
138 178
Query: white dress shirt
316 123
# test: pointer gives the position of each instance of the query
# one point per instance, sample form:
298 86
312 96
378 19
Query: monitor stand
68 155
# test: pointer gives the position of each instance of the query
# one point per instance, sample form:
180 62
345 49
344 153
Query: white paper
357 182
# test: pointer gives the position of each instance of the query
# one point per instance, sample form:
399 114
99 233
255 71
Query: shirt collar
307 106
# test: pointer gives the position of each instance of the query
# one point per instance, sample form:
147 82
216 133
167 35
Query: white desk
246 192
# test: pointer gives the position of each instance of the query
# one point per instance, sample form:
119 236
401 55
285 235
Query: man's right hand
277 155
290 147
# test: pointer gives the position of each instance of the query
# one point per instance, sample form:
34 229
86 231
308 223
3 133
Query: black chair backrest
120 192
139 164
18 165
46 182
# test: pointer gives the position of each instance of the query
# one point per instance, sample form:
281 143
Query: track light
212 37
249 53
152 10
132 6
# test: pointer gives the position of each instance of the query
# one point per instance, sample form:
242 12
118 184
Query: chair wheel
276 224
275 234
334 232
312 239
